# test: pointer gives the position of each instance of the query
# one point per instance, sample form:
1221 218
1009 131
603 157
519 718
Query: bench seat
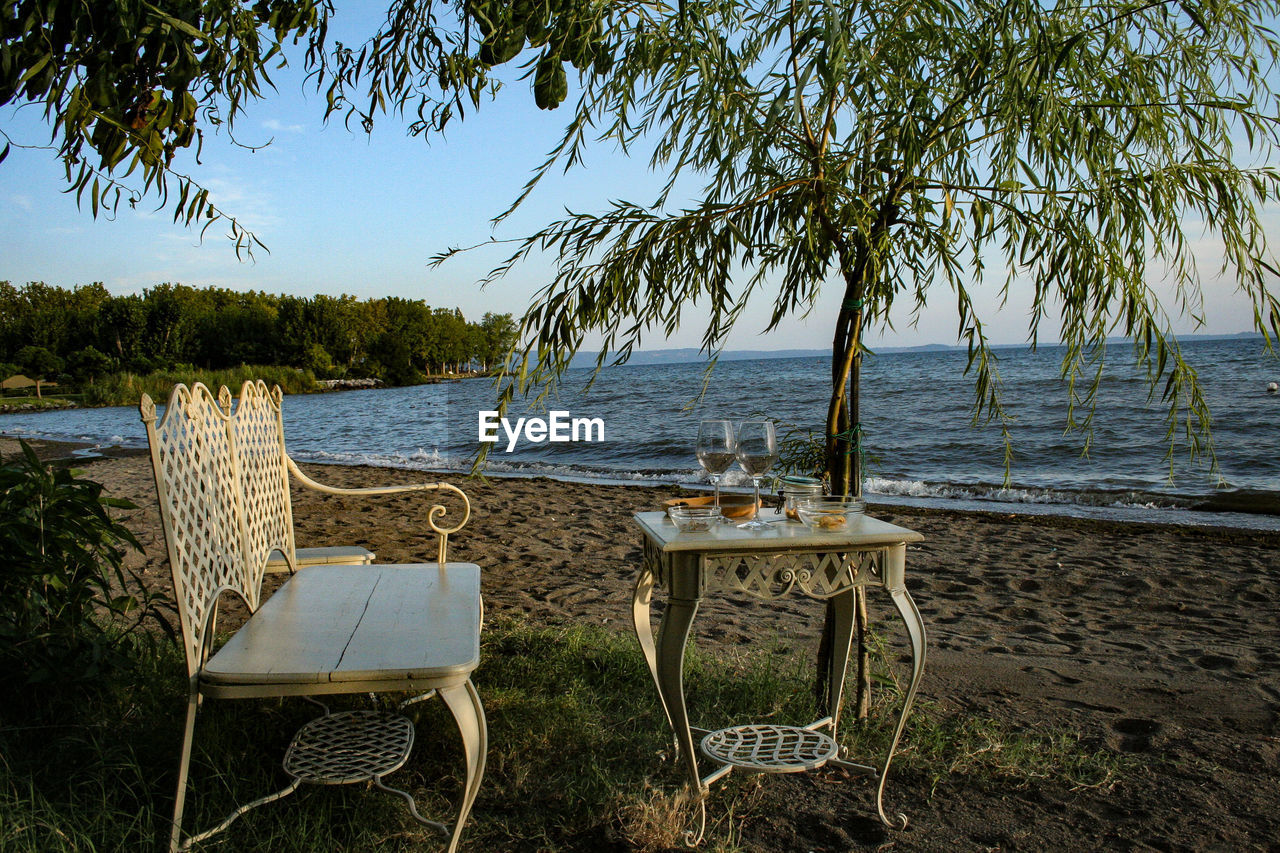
355 629
339 554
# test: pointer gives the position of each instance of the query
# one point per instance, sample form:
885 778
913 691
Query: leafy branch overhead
895 151
125 85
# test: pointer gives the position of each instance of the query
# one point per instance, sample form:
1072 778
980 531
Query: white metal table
769 565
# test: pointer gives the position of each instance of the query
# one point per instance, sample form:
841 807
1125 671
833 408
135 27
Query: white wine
755 464
715 461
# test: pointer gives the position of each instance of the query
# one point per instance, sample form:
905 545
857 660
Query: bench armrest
436 512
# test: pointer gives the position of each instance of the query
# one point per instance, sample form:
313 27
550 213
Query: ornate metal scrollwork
772 576
656 562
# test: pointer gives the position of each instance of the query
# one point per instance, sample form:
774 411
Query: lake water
917 421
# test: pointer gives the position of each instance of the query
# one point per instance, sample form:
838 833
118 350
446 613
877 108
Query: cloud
22 201
237 196
279 127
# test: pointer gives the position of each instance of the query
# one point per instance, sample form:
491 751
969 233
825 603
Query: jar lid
800 481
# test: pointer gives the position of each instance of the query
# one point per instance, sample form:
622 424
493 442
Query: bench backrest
222 481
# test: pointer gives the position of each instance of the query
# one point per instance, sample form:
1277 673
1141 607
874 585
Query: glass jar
796 488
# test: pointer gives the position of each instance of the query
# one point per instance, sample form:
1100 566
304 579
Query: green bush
67 601
126 389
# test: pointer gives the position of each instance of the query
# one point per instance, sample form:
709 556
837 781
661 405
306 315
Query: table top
783 535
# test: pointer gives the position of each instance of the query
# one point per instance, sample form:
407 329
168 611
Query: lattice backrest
201 508
257 433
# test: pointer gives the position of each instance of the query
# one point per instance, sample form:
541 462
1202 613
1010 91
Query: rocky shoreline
22 408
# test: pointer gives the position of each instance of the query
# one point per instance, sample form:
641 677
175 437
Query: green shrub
126 389
67 601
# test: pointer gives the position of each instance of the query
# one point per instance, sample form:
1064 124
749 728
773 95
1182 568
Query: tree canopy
126 87
93 332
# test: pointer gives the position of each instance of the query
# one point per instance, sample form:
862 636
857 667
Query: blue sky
342 212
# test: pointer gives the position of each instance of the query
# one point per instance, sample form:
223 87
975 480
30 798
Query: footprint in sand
1057 677
1135 733
1215 662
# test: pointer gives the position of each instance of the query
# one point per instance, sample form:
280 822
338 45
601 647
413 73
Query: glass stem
715 481
755 512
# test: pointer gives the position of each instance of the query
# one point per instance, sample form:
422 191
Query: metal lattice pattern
195 479
258 432
351 746
770 576
224 495
655 561
770 749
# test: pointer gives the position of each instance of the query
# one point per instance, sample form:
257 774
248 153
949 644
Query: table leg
640 619
838 663
915 629
673 635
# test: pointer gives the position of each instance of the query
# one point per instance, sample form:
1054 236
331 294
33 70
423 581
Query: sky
345 212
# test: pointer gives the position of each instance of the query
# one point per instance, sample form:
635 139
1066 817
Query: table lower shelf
769 748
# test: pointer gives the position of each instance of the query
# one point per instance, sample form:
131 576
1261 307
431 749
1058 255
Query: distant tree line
85 333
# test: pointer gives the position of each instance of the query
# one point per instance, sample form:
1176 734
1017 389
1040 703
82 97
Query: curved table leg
643 625
915 629
468 713
673 635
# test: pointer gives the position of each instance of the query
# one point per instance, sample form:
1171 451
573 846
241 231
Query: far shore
52 400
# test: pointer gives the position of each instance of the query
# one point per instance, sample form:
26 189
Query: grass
126 389
48 401
576 755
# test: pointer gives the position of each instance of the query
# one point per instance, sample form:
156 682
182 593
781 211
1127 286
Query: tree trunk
843 446
861 619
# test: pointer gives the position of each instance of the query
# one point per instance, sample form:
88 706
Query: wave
968 495
1121 498
1232 508
435 460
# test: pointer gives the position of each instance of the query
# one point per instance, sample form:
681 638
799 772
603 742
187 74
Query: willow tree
907 150
895 148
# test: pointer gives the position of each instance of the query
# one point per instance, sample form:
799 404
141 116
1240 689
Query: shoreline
53 402
1157 643
1228 522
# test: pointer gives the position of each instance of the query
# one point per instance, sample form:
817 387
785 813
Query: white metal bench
222 477
345 555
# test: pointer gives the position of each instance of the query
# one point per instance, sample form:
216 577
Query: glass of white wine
757 450
715 450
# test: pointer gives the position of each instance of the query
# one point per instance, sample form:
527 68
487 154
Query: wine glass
757 450
715 450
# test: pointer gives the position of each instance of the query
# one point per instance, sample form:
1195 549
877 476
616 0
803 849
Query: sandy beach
1158 642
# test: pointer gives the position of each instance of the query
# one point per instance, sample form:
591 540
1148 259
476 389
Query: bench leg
184 764
468 713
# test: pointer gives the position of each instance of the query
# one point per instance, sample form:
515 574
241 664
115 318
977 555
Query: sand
1159 642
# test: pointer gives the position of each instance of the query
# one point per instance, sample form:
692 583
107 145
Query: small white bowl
829 514
695 518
